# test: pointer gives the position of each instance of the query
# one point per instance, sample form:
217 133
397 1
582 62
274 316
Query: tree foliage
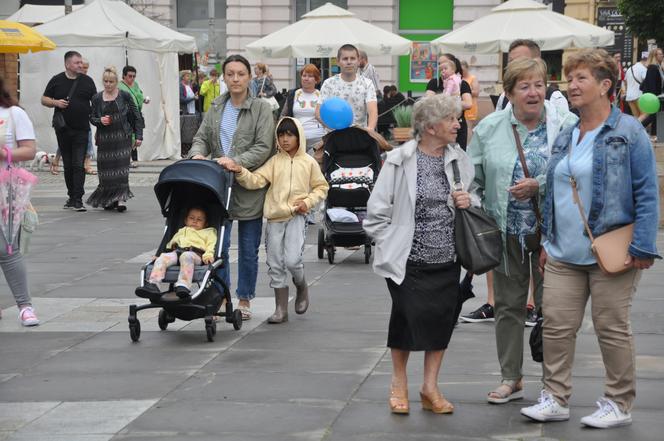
644 18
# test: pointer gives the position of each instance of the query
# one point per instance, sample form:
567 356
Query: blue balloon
336 113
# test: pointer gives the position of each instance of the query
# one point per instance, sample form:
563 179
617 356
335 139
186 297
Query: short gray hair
429 110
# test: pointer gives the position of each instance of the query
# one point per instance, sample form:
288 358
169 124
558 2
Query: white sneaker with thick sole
608 415
28 317
546 409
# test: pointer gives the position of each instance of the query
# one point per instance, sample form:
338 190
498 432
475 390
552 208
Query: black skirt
423 307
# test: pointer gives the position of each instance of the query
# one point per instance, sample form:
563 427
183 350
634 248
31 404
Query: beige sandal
509 390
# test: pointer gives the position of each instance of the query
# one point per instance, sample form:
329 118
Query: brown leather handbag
611 248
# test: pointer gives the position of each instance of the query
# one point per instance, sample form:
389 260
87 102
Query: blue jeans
249 239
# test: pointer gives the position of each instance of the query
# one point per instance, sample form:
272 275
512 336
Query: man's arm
372 115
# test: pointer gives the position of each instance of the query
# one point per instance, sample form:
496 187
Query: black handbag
59 122
478 240
535 341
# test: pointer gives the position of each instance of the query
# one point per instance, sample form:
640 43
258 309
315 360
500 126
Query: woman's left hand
524 189
461 199
138 142
639 262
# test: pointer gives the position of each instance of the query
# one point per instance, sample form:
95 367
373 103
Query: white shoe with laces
608 415
546 409
27 316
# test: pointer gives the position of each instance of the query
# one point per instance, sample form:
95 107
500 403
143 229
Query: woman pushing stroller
296 185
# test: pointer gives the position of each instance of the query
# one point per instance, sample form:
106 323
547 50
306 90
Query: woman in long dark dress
116 117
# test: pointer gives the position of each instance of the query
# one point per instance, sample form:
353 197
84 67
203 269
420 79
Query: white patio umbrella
322 31
516 19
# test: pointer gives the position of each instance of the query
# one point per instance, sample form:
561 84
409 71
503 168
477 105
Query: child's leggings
188 259
284 243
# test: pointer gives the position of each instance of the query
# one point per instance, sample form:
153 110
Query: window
193 14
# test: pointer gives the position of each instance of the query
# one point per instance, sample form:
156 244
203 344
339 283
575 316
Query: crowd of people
518 166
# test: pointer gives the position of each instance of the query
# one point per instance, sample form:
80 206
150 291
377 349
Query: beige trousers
567 288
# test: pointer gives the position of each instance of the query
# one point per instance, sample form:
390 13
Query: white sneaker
608 415
27 316
546 409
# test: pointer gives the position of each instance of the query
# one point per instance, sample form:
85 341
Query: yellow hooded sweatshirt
290 179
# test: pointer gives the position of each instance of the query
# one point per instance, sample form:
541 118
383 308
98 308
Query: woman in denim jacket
613 164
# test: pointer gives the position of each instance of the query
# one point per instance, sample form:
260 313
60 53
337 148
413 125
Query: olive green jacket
253 144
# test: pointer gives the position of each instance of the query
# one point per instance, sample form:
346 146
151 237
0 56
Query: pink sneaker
27 316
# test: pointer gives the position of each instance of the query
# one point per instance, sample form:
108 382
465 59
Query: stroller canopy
192 182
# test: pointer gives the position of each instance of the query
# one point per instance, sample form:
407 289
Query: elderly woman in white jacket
411 218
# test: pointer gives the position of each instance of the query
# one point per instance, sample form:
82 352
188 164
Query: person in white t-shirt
634 76
301 104
357 90
17 135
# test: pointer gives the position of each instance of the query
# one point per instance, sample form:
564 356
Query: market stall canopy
322 31
38 14
516 19
17 38
115 24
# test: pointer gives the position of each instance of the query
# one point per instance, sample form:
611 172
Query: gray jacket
391 209
253 144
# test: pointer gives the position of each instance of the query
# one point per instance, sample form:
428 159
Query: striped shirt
228 125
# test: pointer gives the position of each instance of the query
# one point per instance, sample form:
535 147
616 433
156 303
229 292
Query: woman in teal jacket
508 197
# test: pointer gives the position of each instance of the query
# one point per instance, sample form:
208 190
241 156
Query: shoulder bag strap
522 159
458 185
575 195
73 88
262 85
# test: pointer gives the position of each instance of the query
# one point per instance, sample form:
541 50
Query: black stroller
351 163
183 185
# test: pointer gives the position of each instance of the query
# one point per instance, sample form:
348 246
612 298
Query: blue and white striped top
228 125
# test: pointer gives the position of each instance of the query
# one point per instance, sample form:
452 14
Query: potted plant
402 116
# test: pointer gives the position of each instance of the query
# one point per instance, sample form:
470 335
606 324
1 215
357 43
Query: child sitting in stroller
192 245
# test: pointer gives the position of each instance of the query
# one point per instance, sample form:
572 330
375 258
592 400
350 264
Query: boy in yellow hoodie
192 245
296 186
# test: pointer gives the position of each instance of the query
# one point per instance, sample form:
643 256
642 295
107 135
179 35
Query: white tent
107 33
516 19
322 31
38 14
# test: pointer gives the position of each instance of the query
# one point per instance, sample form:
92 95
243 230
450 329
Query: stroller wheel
321 243
210 329
330 255
134 329
237 319
163 320
367 253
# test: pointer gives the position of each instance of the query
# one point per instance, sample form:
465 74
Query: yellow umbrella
19 38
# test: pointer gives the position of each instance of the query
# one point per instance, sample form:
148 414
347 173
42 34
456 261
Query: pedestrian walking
301 104
510 150
187 95
368 71
410 216
611 161
211 89
240 127
653 83
296 186
634 77
353 88
119 127
437 85
18 135
69 93
131 86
